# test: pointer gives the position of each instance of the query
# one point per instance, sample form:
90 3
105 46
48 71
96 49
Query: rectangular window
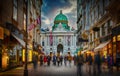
24 23
43 43
118 38
98 11
103 30
108 28
103 6
98 34
15 6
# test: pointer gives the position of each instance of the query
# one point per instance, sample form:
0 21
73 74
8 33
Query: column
45 40
73 40
65 40
40 39
100 31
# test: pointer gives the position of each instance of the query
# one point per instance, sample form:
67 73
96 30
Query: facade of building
97 24
61 39
12 31
103 26
114 12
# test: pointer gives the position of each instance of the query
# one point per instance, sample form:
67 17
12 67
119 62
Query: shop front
104 49
10 47
116 44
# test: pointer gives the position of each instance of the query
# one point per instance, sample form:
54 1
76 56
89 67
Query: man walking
79 65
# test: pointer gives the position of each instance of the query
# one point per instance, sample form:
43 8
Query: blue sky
51 8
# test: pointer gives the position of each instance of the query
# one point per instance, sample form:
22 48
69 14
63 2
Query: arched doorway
60 48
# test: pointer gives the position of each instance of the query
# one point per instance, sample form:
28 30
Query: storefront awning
19 40
101 45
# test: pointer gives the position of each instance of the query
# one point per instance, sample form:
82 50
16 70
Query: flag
38 20
34 24
31 27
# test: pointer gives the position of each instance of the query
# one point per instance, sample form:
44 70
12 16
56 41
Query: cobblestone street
54 71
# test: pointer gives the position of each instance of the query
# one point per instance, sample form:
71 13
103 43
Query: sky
51 8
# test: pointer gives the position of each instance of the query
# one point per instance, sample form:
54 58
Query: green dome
61 18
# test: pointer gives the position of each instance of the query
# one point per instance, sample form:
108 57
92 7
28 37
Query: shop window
118 38
114 39
15 6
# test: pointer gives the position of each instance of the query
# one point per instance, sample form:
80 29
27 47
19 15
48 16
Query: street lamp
25 68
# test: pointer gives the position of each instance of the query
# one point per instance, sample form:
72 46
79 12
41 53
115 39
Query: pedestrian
90 63
35 61
54 59
79 65
65 60
45 59
61 59
58 60
70 59
41 60
48 60
75 59
110 62
97 63
103 62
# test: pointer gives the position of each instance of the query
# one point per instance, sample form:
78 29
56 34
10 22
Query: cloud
50 10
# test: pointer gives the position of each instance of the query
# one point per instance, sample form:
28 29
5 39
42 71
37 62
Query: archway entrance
59 48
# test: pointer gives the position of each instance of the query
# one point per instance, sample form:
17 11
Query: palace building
61 39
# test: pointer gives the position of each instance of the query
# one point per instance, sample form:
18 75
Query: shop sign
1 33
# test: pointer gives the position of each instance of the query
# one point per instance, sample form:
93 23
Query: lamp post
33 44
25 68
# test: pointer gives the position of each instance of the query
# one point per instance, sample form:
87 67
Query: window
43 43
15 6
108 28
103 6
98 11
103 30
98 34
24 22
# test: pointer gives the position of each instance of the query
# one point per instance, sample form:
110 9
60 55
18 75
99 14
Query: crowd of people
79 61
55 60
97 62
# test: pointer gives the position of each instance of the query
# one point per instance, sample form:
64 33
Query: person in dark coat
41 60
97 63
61 59
80 61
48 60
35 61
65 60
54 60
90 62
58 60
